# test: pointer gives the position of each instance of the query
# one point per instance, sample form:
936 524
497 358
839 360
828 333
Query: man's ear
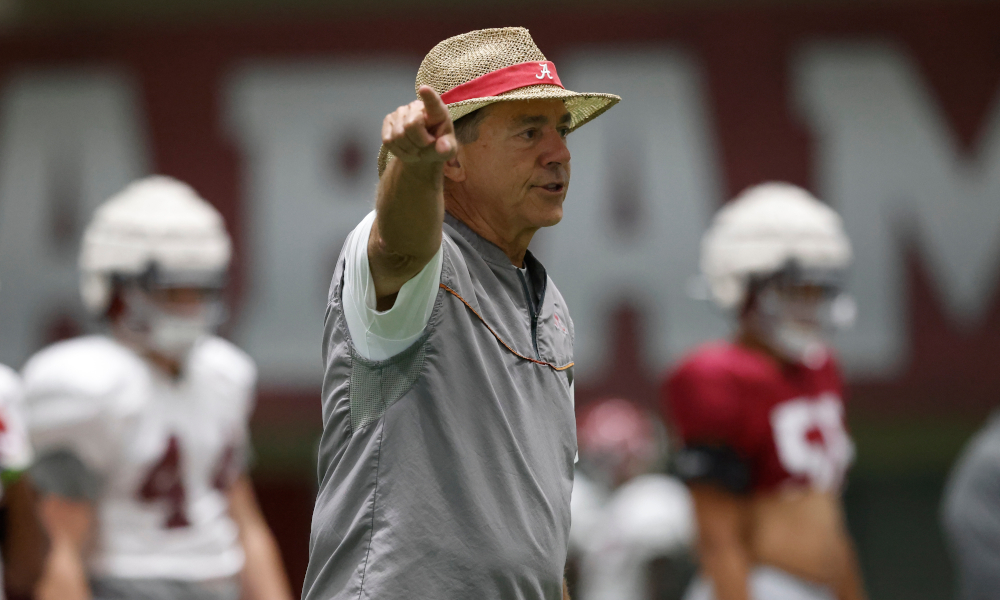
453 168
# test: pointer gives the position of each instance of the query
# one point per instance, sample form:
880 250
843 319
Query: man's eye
530 134
564 131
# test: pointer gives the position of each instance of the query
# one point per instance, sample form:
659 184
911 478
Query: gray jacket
971 515
446 471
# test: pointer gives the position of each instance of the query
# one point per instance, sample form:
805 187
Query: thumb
434 107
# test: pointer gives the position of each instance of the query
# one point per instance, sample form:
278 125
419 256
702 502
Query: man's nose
555 151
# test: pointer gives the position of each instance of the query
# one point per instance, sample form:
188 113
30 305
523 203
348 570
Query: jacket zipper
531 311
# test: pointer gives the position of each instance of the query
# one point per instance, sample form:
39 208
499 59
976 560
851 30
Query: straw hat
481 67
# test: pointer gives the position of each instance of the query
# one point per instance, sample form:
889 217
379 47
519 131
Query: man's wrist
423 172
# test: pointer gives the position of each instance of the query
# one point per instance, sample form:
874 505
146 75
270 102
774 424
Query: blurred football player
971 515
761 418
23 540
141 434
633 528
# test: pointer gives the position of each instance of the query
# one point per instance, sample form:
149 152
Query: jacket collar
490 252
496 257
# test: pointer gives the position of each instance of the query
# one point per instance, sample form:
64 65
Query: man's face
796 320
167 320
517 170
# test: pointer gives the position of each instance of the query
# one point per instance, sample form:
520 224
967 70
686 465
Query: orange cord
499 339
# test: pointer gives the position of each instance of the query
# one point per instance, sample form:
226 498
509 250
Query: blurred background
271 109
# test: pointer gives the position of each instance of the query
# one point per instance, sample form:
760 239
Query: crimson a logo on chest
560 324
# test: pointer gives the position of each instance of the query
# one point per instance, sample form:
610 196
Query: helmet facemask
168 313
796 312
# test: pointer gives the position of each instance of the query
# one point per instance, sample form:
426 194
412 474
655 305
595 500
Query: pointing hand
421 131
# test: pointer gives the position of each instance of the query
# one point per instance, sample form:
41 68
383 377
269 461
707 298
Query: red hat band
503 80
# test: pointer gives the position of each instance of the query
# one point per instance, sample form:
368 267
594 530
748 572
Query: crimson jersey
784 423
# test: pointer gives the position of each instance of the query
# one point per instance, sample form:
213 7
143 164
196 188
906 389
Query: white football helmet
778 236
157 233
764 229
156 222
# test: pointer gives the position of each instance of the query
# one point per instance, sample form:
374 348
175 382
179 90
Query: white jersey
15 451
616 536
164 450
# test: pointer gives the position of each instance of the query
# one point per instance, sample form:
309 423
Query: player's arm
25 547
849 584
69 524
722 518
410 205
263 574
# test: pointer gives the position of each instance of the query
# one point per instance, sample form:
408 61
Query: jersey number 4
165 482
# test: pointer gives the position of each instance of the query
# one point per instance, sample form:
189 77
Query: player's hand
421 131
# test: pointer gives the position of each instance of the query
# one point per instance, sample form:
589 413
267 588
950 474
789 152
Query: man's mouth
553 187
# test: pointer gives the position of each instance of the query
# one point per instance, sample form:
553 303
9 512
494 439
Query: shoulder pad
704 374
712 359
76 394
221 358
86 367
721 363
654 510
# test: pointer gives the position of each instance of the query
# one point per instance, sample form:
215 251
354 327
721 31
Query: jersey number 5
811 440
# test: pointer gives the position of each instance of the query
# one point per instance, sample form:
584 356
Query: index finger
437 112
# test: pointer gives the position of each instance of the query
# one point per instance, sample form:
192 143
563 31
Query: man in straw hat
446 461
